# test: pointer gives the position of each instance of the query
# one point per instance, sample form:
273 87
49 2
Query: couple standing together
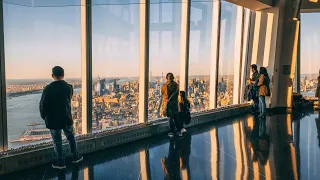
259 84
175 106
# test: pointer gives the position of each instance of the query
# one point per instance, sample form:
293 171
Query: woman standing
318 91
264 90
169 107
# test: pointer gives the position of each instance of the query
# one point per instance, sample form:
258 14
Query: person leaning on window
318 91
55 110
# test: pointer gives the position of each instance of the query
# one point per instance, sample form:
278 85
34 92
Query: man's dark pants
255 105
57 140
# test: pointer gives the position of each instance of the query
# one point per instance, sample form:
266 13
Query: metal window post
245 59
86 63
238 54
215 47
3 100
144 60
185 44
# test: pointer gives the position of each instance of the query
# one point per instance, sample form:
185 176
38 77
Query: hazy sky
38 38
310 43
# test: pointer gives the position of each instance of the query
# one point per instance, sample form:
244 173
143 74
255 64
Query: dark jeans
256 106
175 124
262 105
57 140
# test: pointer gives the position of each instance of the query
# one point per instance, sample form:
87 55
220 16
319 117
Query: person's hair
264 71
254 66
58 71
170 76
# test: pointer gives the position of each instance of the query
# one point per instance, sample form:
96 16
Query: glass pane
310 64
227 49
115 64
200 55
37 39
165 27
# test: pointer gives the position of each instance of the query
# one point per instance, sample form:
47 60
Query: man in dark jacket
55 110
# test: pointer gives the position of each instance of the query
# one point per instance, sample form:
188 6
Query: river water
21 111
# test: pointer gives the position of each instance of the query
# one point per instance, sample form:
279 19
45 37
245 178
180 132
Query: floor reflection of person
259 141
178 159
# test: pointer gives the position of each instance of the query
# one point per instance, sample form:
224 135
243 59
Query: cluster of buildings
309 83
115 104
32 87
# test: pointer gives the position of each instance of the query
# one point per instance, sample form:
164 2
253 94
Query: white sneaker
183 130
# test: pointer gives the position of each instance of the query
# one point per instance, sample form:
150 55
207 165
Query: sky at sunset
38 37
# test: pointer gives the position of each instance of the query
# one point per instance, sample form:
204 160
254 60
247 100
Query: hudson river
22 111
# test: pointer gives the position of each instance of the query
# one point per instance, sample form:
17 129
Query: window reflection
115 65
200 51
310 44
36 40
225 89
165 27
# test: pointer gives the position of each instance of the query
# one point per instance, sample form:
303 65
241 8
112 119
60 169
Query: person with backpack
169 106
184 112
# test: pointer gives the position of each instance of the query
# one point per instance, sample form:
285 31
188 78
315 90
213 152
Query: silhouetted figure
55 110
178 158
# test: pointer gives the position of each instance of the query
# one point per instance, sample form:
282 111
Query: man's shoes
77 158
171 135
59 165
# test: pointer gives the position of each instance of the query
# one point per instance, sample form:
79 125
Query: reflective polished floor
278 147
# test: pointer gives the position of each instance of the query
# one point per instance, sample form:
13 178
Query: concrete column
215 47
144 60
184 44
285 56
86 63
3 99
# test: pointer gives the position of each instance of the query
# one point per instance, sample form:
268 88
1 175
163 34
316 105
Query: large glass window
165 27
310 44
115 61
200 55
37 39
227 59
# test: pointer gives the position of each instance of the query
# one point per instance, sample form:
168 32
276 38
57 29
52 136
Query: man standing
55 110
254 81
